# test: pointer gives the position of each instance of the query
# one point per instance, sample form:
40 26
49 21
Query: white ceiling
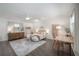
35 10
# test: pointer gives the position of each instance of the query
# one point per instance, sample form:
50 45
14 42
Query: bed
38 36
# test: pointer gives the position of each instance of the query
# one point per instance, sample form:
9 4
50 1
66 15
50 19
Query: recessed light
27 18
36 20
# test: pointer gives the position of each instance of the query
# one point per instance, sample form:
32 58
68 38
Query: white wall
4 27
47 23
76 30
59 20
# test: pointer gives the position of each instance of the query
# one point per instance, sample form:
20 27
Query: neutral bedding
38 37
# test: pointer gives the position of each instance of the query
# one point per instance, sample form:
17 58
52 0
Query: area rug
23 47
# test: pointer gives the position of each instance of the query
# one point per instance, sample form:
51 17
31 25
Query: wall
3 31
4 27
47 23
58 20
76 30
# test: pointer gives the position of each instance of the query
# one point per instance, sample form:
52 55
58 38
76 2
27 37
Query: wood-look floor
45 50
48 50
6 49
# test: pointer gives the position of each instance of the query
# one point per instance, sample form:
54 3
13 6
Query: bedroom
33 22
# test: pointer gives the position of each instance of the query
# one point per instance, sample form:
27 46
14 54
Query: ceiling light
27 18
36 20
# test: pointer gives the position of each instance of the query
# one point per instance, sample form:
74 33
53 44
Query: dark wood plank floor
48 50
6 50
45 50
